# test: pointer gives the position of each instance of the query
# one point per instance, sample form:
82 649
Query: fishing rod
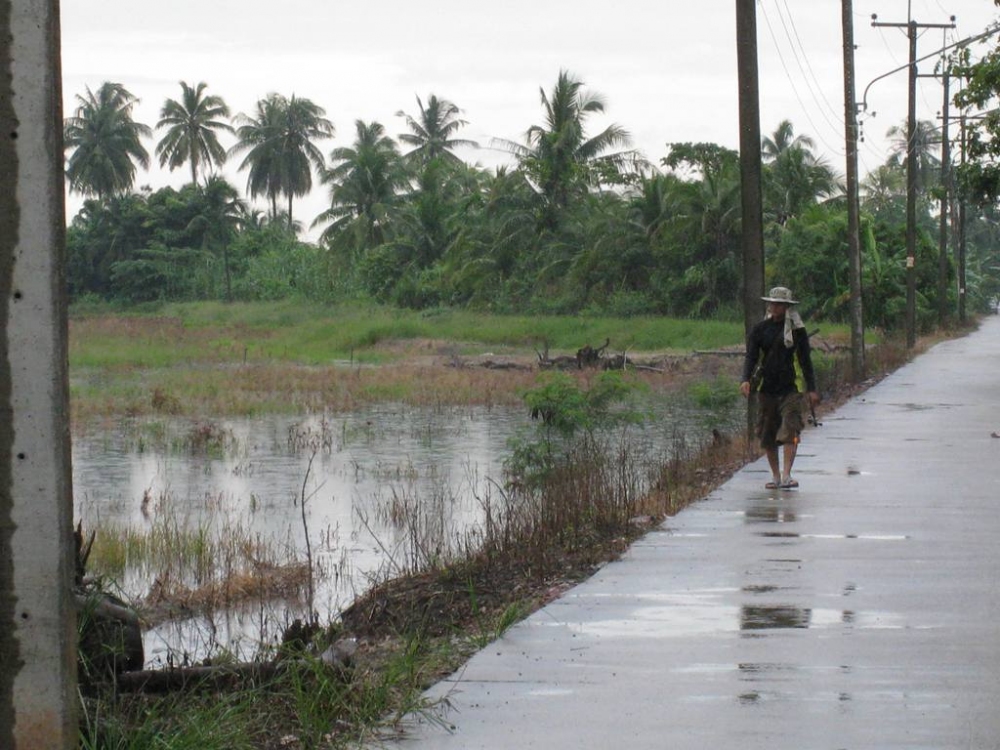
812 409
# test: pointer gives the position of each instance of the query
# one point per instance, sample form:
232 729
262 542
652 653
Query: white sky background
667 70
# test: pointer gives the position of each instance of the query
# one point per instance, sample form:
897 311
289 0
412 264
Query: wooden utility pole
750 163
853 208
911 27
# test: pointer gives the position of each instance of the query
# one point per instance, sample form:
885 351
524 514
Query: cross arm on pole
863 104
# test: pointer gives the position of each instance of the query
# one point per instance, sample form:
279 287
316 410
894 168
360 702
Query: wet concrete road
860 611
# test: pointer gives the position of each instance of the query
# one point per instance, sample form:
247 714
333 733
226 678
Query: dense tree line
581 221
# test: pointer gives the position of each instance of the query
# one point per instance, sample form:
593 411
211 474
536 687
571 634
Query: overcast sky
667 70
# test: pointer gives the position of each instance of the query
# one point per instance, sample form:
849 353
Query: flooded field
199 505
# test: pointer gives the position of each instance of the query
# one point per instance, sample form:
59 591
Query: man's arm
751 357
750 361
804 352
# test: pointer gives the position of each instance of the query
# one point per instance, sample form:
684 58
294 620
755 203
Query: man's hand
745 388
814 399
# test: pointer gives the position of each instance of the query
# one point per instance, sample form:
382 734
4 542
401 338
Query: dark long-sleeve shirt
767 340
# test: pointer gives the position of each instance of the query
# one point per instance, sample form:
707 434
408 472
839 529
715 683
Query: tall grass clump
176 722
577 479
197 565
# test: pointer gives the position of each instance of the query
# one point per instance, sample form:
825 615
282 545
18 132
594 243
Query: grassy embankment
576 512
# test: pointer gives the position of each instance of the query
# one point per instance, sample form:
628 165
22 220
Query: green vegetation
188 302
578 223
244 358
305 333
570 501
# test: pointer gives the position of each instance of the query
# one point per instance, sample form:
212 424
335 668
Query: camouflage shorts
779 419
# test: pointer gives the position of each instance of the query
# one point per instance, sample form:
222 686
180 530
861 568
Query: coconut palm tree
280 148
707 216
926 143
783 139
795 177
258 137
432 130
304 123
560 158
106 142
221 212
365 180
796 180
192 124
884 191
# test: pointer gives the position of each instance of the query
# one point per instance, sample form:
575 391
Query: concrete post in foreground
751 191
37 619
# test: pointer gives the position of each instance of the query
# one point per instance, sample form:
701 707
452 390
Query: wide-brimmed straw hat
780 294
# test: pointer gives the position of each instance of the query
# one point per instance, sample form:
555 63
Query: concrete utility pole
750 163
946 188
37 617
750 176
942 291
958 206
853 205
911 27
961 238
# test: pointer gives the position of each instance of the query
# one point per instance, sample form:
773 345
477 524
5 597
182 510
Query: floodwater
385 489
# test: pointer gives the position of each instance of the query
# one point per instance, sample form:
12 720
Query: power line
809 75
911 27
888 47
795 89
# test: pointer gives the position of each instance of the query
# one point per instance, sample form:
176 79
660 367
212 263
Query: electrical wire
807 70
795 90
948 33
888 47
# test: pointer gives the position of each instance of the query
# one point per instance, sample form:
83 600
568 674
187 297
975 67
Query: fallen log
110 636
559 363
339 657
201 678
588 356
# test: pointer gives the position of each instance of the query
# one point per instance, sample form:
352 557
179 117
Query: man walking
778 365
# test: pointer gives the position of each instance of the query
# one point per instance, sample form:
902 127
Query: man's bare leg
772 459
789 450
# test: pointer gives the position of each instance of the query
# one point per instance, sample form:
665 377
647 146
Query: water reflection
782 681
774 617
371 488
374 490
770 514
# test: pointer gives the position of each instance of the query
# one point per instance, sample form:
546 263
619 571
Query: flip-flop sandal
791 484
772 486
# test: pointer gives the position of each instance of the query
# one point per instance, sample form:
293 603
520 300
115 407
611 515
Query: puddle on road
861 537
770 514
764 589
759 682
910 406
771 618
779 514
713 612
